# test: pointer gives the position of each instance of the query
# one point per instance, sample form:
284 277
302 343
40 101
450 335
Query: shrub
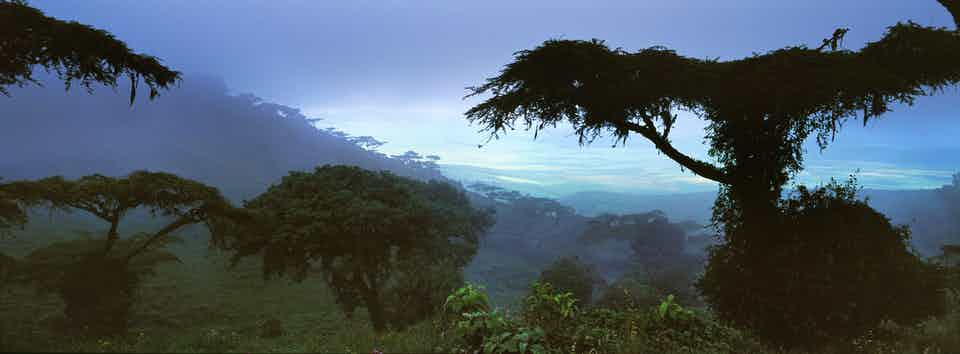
466 316
835 269
97 289
552 310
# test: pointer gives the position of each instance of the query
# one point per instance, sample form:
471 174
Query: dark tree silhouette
111 263
841 268
759 109
369 232
77 52
954 7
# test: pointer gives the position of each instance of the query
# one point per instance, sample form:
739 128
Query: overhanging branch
954 7
702 169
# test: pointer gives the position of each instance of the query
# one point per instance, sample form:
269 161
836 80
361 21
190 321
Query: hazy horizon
398 72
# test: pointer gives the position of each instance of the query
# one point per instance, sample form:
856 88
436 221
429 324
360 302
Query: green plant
552 310
466 316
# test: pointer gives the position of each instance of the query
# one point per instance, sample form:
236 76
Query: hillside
238 143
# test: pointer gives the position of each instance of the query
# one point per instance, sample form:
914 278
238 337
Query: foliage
569 274
650 234
630 291
97 277
558 325
466 317
11 214
759 112
418 285
554 311
361 228
839 269
77 52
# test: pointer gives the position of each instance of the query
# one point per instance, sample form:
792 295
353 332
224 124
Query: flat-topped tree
759 109
96 276
77 52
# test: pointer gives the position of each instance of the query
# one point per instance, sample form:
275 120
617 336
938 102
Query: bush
551 321
98 289
466 317
554 311
835 269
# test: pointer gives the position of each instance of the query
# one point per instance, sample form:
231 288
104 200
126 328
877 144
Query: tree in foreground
97 276
759 112
77 52
843 268
393 245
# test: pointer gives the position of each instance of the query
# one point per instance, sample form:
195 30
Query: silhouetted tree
97 276
367 231
759 110
840 269
77 52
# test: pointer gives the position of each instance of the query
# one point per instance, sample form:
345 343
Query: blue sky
397 70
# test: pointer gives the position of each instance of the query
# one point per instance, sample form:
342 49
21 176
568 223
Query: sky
398 71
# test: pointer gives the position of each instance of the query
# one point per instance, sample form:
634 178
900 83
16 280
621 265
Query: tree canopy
77 52
782 96
110 199
114 264
365 230
759 111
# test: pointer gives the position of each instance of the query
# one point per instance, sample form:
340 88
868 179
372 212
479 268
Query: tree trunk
112 235
371 298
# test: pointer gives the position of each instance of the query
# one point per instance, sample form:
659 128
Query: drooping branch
77 52
953 6
701 168
802 91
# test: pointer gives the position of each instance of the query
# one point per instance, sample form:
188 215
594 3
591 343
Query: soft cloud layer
397 70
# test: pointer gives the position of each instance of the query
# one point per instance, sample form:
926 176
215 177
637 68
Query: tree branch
180 222
953 6
700 168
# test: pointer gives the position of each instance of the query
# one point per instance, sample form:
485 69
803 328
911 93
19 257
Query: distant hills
922 209
242 144
238 143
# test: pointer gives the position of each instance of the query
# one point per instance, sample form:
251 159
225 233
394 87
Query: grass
199 305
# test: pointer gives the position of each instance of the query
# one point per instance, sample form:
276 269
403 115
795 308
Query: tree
569 274
658 261
97 276
842 269
759 109
651 235
77 52
28 39
366 231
